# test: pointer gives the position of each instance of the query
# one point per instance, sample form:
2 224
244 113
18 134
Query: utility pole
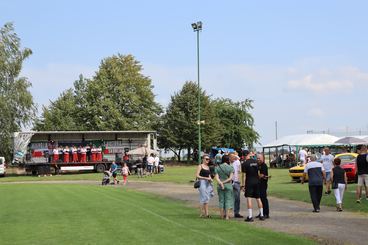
276 129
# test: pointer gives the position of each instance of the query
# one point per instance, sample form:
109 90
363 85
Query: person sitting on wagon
55 155
93 153
83 153
75 153
99 154
66 154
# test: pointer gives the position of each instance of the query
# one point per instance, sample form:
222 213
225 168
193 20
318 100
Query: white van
2 167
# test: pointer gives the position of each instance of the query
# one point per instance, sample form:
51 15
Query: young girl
339 183
125 172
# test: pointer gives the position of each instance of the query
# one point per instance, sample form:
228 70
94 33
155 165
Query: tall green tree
118 97
16 102
237 123
60 115
178 127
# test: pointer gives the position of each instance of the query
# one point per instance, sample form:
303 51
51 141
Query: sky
304 63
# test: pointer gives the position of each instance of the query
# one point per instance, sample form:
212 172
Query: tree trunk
177 154
188 158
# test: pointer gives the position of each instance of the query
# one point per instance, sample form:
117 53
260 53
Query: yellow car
296 173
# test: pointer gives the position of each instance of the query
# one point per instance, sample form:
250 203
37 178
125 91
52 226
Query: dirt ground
293 217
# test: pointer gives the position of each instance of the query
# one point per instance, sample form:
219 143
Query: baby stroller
106 178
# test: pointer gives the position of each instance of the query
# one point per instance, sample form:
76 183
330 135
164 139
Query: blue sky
303 62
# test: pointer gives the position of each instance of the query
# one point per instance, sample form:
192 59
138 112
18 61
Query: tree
178 128
118 97
60 115
16 102
237 123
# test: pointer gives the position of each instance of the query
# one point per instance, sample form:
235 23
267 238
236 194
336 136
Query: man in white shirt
303 156
235 163
157 162
327 160
150 163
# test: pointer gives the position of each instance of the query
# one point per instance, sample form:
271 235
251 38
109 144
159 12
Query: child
339 183
125 172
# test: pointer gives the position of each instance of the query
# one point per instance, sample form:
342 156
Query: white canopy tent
350 140
304 140
141 151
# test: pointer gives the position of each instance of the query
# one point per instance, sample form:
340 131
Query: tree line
119 97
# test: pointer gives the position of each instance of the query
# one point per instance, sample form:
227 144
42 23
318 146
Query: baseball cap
246 152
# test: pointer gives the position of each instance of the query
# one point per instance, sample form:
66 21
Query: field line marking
165 218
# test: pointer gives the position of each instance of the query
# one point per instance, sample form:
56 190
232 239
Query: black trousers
315 192
263 195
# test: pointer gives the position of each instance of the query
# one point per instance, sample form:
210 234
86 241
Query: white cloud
316 112
327 80
307 83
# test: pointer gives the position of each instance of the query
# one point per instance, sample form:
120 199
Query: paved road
293 217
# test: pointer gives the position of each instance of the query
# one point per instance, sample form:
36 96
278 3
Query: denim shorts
328 176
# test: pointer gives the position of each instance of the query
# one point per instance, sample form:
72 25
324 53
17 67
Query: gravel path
293 217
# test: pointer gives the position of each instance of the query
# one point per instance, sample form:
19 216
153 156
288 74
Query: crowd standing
251 177
233 178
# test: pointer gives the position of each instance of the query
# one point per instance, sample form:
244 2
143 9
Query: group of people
327 170
234 177
125 172
148 165
145 166
75 154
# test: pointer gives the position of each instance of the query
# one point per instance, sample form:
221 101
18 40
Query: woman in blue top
224 175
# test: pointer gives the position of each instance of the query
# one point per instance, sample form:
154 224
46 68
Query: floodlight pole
197 27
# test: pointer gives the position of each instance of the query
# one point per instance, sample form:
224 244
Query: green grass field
280 185
179 175
89 214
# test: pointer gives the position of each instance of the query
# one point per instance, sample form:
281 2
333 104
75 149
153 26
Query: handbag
197 184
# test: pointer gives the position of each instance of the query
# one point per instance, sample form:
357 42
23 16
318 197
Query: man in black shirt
250 184
361 165
263 184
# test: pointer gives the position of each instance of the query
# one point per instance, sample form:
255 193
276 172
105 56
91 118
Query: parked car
2 167
296 173
348 164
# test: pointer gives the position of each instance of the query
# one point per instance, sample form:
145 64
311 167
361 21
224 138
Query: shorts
328 176
252 190
149 168
114 174
362 179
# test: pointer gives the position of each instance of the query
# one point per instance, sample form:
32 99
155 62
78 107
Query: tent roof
362 137
304 140
352 140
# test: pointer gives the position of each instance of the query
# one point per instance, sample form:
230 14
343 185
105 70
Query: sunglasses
207 159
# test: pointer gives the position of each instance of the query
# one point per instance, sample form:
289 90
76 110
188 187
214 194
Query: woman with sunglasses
203 174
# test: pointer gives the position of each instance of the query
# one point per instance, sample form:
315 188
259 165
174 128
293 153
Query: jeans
315 192
236 190
140 172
